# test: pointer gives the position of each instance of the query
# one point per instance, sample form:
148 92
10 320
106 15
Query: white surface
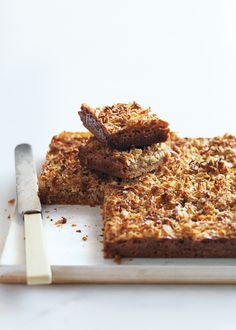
177 56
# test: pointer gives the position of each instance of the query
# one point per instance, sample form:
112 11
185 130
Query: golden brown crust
191 199
63 180
175 248
123 164
122 126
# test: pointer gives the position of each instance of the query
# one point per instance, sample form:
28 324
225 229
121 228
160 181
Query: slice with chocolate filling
123 164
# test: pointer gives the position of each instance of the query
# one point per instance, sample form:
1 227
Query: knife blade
38 270
26 180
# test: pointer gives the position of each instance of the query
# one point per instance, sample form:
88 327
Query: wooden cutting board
75 253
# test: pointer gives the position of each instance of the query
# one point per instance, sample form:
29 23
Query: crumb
9 216
73 225
61 221
78 231
51 219
101 235
130 259
84 238
55 208
117 259
64 220
48 217
12 201
46 211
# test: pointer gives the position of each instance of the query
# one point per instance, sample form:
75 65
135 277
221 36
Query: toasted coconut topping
192 195
63 175
124 115
146 155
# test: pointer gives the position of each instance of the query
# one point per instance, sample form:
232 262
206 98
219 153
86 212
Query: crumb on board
9 216
47 217
73 225
12 201
78 231
47 211
51 219
61 221
64 220
117 259
85 238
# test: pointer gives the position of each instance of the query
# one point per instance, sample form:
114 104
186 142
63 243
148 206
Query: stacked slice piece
127 140
122 126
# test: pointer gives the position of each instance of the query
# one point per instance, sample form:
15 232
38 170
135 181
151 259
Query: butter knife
38 270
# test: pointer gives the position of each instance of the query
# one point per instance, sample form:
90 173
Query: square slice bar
63 180
186 209
123 164
123 126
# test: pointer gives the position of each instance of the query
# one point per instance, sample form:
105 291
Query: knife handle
38 270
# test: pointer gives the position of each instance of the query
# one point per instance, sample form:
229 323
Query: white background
178 57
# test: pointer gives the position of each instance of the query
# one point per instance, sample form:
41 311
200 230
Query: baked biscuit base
123 164
186 209
123 126
63 180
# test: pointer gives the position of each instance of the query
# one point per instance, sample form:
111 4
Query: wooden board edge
119 274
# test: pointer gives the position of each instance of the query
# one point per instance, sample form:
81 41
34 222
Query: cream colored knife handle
38 270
